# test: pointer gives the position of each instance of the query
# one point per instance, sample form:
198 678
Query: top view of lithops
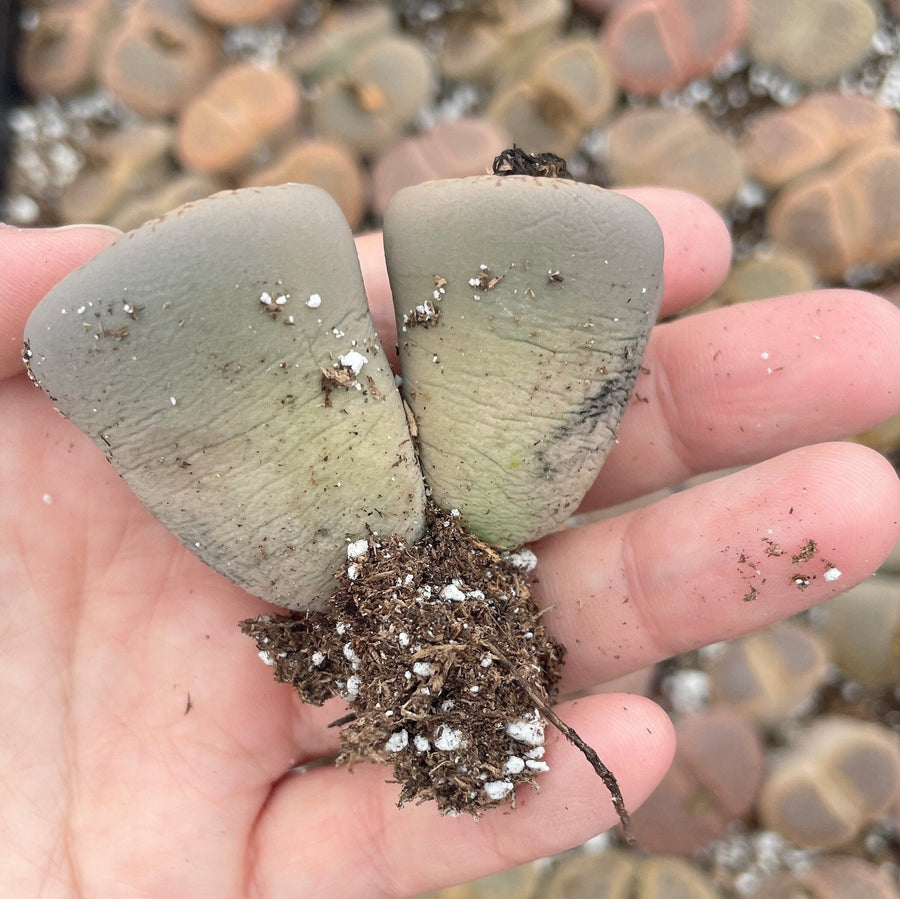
224 359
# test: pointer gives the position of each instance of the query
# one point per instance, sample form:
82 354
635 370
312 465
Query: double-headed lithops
224 359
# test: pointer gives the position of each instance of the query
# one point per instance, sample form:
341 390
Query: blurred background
780 113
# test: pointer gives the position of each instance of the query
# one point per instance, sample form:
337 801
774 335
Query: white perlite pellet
447 739
353 360
498 789
529 731
398 741
357 549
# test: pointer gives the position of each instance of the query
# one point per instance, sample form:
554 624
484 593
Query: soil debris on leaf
442 656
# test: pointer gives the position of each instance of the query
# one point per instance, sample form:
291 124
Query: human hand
147 751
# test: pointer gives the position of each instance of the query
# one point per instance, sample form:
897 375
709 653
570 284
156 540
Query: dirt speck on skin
806 552
443 659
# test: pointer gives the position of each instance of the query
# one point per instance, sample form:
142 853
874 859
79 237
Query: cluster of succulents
362 101
835 776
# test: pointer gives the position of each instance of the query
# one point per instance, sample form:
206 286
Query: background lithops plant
714 779
769 674
328 165
382 89
224 359
839 774
242 110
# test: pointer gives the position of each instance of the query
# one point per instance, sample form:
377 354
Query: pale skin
145 749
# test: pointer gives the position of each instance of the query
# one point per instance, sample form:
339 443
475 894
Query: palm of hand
118 650
146 750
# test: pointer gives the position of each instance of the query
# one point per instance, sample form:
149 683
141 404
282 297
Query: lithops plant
327 164
863 630
714 779
452 149
158 56
327 51
768 272
568 90
241 111
620 874
151 204
488 42
812 41
768 675
845 215
677 148
830 877
379 94
120 166
224 359
59 54
783 144
840 775
661 45
241 12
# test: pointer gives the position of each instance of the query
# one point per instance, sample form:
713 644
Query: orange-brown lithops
840 775
243 109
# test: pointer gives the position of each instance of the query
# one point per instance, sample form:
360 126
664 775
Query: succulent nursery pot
224 359
523 308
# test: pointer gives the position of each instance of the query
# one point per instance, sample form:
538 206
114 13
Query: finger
696 261
697 245
32 261
741 384
357 843
370 248
718 560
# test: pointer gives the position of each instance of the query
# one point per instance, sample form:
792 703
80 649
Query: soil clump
443 658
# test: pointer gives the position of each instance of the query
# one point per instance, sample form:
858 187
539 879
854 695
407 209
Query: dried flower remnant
515 161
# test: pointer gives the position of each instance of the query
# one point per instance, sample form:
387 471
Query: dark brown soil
443 659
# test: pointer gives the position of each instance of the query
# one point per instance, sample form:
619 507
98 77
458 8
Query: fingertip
869 485
697 244
883 320
370 248
101 229
636 742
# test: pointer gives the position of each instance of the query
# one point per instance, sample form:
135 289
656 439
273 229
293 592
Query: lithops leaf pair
224 359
